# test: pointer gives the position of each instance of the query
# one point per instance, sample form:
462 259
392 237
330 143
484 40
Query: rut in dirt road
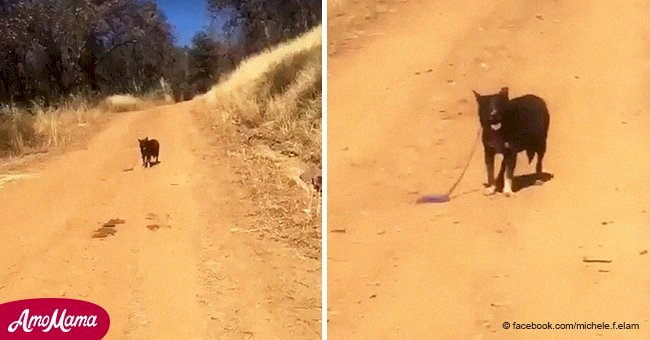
464 267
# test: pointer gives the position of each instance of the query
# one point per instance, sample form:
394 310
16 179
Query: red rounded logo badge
53 318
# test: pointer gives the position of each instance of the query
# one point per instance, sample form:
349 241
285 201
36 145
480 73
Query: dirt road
402 122
174 269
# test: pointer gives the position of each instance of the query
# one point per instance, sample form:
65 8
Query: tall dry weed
278 93
275 98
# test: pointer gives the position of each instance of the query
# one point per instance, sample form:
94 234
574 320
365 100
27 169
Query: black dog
509 127
149 148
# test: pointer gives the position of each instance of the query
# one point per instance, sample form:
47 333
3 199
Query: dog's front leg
509 161
489 166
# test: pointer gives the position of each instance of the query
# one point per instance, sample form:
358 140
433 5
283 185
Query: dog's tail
531 154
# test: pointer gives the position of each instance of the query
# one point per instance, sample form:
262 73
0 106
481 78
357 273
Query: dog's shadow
525 181
153 163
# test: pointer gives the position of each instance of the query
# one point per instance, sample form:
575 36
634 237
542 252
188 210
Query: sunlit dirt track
402 123
175 269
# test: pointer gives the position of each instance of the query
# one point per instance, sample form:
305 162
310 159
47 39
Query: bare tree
263 23
51 48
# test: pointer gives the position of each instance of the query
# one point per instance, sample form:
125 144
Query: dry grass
123 103
280 209
277 95
37 129
273 100
127 102
33 130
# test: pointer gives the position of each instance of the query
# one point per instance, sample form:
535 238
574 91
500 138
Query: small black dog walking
509 127
149 148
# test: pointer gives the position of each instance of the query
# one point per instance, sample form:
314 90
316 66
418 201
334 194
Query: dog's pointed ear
476 94
504 91
146 138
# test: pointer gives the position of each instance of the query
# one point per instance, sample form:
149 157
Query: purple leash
447 197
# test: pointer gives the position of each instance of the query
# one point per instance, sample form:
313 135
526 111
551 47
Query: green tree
203 62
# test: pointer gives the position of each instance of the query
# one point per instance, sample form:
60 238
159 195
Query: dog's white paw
539 182
490 190
508 193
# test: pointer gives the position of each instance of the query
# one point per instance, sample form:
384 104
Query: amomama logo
52 319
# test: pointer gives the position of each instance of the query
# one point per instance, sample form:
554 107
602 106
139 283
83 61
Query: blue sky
186 16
